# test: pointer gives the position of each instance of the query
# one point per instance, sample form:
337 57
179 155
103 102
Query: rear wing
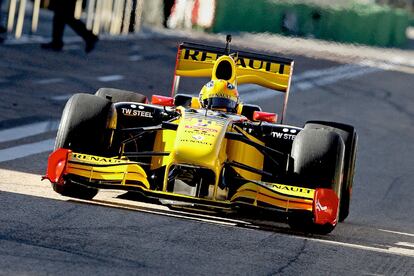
196 60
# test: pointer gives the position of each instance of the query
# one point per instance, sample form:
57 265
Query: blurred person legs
2 28
168 4
181 15
64 15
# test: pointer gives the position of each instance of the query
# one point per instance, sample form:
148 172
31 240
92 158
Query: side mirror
265 116
162 100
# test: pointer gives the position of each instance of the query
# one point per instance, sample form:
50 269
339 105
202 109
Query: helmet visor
220 103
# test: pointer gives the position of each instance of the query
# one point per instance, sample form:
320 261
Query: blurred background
385 23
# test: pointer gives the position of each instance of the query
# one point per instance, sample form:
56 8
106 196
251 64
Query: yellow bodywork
97 168
199 141
273 75
283 196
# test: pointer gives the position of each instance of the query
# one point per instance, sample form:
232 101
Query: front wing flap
104 172
94 169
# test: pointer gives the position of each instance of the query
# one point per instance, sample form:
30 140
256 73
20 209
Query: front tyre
83 128
350 138
118 95
318 159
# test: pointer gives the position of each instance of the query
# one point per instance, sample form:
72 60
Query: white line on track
19 132
110 78
135 48
61 97
315 78
323 81
135 58
250 97
338 70
408 244
399 233
49 81
34 187
402 251
26 150
391 250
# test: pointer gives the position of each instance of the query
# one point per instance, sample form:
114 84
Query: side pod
56 165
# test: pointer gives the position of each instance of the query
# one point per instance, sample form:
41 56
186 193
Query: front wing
113 173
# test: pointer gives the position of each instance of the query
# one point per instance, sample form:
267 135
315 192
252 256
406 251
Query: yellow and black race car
210 151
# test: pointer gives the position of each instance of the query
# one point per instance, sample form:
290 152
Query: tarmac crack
293 260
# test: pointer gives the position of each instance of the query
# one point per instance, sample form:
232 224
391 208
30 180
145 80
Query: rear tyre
83 129
318 156
118 95
350 138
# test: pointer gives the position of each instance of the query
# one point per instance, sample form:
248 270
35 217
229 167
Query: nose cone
198 141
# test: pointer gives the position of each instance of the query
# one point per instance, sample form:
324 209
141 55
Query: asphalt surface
44 233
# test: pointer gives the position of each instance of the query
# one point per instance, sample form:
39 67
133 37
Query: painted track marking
61 97
106 198
49 81
26 150
135 58
315 78
110 78
19 132
395 232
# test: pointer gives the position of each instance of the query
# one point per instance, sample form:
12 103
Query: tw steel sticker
285 136
136 113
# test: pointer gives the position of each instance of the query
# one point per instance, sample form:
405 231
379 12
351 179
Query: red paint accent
265 116
56 165
162 100
325 206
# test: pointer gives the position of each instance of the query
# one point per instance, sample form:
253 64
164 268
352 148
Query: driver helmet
220 95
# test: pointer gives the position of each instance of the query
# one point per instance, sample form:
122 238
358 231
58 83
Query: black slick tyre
350 138
82 129
118 95
318 156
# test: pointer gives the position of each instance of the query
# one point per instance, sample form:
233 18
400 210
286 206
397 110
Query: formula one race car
210 151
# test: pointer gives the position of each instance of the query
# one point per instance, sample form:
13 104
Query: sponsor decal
136 113
94 159
199 128
256 64
281 135
198 137
196 142
319 206
201 124
291 188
